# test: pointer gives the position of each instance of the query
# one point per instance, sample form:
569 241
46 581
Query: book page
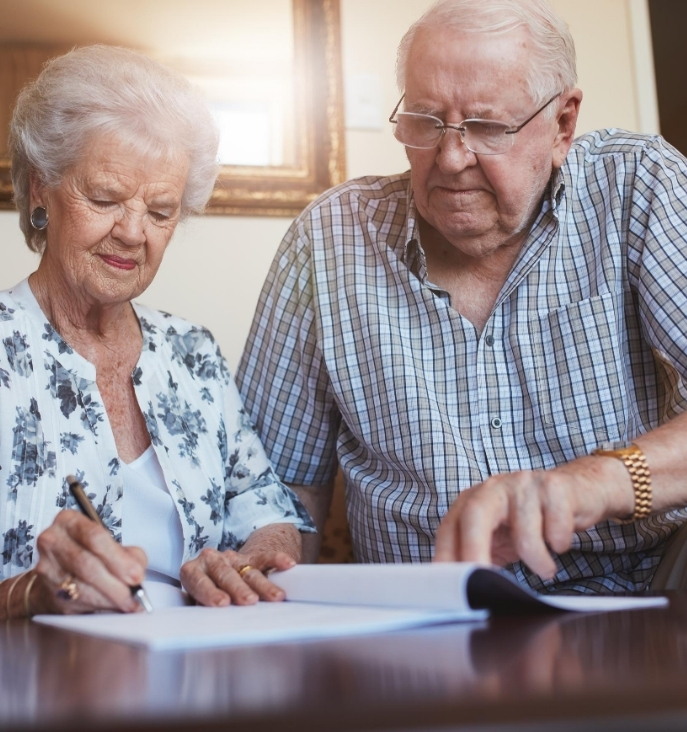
419 586
457 586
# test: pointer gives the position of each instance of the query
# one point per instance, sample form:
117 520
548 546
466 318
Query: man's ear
566 121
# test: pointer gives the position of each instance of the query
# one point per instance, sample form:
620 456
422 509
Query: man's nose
452 153
129 228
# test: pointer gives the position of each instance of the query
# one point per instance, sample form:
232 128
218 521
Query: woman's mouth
118 262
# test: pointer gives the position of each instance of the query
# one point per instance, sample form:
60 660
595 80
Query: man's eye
102 204
159 216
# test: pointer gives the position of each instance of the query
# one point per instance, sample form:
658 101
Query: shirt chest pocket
578 387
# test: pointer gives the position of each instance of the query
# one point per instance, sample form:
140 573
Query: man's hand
526 514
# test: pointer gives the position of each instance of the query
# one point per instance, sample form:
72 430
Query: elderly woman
109 152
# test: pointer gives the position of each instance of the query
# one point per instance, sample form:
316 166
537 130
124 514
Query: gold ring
68 589
244 570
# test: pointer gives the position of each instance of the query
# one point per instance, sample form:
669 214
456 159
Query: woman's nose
129 228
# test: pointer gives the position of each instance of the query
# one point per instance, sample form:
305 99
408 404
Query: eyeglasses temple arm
393 114
529 119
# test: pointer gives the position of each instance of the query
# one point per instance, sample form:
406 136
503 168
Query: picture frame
319 139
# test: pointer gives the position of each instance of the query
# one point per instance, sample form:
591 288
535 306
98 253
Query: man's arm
520 515
317 500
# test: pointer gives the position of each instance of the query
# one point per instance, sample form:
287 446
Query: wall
215 266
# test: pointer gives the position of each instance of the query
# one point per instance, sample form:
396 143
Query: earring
39 218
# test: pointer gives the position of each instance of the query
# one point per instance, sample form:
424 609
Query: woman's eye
159 216
102 204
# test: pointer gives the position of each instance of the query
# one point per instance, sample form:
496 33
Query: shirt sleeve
255 497
283 376
657 263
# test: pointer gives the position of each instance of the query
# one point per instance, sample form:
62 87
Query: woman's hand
215 579
80 559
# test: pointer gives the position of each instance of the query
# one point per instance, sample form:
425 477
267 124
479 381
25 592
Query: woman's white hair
106 90
552 68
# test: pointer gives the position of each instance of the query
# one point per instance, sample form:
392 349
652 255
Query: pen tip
143 599
71 479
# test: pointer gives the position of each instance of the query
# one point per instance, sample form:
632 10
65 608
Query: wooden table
616 671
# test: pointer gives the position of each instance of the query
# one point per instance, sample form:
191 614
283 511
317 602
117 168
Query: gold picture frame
320 142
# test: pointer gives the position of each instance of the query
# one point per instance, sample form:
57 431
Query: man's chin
463 226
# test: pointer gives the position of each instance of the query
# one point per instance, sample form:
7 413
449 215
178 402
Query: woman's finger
62 558
129 567
197 582
266 562
221 570
265 589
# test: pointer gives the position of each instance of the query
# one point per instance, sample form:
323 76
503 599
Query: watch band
637 466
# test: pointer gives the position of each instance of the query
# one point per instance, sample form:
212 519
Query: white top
150 518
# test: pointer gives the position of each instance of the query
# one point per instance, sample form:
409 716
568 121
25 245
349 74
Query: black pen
76 489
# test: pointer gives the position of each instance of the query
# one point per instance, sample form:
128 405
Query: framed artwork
270 70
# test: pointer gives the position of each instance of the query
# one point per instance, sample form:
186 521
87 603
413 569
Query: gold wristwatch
637 466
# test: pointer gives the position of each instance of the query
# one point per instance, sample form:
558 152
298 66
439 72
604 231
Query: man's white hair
552 64
105 90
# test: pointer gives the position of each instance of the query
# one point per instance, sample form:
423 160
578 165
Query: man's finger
465 533
526 521
559 522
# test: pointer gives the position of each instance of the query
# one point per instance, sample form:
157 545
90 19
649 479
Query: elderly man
513 303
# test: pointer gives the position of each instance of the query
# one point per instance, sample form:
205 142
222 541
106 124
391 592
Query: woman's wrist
15 594
274 538
23 596
27 594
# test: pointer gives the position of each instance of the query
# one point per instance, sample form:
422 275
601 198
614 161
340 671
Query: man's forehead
434 44
486 71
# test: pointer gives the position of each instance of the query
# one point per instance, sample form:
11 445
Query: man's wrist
628 484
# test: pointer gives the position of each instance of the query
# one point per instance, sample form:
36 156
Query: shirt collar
413 254
59 349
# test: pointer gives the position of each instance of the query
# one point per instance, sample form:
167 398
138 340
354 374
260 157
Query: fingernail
252 597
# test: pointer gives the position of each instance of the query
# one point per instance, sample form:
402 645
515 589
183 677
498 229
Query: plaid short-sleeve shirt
355 356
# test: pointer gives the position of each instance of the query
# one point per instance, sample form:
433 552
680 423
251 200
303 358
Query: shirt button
496 423
489 340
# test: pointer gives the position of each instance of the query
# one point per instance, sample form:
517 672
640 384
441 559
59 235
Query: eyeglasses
481 136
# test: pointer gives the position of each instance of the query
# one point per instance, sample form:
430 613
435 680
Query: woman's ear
36 190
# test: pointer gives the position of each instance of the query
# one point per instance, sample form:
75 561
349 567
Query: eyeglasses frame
461 130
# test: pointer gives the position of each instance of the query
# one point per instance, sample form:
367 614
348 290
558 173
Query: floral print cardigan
53 423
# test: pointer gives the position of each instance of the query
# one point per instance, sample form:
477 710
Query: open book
326 601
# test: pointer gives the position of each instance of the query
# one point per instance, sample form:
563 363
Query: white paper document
178 628
330 601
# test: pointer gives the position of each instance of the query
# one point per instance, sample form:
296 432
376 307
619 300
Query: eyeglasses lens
418 130
424 131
